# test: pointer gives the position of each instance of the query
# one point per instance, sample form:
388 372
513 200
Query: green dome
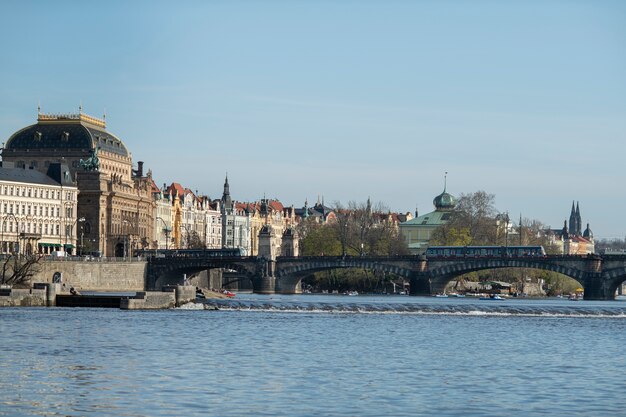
444 201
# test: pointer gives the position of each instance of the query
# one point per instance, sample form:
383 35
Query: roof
434 218
66 132
176 189
29 176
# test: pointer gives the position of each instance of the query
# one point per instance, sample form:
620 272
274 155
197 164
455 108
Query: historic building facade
572 240
236 230
417 232
114 199
38 211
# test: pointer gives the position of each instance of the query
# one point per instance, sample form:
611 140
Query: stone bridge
598 275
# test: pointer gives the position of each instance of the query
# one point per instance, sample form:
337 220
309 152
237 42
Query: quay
49 295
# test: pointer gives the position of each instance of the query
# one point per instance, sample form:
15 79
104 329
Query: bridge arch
441 275
172 271
288 276
614 278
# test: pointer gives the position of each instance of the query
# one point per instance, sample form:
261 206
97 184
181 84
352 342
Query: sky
343 100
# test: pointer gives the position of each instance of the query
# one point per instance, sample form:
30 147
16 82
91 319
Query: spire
579 221
445 181
416 212
572 220
226 200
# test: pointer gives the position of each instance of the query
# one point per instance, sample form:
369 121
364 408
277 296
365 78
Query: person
73 291
199 293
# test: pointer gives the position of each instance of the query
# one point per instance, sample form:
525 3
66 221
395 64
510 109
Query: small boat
493 297
352 293
457 295
444 295
229 294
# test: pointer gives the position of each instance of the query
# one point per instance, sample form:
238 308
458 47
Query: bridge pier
599 289
420 284
264 285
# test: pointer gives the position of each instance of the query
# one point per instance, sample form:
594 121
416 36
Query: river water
312 355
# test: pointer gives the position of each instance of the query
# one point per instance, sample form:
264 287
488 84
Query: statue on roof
92 163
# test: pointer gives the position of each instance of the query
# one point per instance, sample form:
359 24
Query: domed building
417 232
114 200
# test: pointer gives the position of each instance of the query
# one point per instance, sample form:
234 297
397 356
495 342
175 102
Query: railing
94 259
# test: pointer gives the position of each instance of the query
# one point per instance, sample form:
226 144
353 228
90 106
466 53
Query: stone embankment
48 295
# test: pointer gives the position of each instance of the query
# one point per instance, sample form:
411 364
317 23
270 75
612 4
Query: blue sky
343 99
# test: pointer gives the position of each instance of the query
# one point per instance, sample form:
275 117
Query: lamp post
167 231
2 229
125 237
71 229
186 227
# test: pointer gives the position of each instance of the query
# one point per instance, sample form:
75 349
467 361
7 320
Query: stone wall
95 275
12 297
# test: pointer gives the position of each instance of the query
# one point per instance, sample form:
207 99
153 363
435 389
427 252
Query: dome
444 201
588 234
66 132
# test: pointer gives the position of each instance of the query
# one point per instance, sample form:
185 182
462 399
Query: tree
318 239
17 270
358 229
193 241
471 223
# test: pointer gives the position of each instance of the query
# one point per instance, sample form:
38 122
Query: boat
352 293
493 297
229 294
444 295
457 295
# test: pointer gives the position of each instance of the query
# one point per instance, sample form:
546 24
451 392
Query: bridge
598 275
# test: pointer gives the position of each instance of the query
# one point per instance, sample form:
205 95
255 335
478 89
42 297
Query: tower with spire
227 202
573 239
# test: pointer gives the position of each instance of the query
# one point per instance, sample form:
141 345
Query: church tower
227 203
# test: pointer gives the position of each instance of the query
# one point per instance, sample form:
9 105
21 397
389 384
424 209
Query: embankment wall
94 275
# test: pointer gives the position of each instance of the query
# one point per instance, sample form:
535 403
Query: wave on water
410 308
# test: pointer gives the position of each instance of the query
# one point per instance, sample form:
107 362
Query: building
417 231
236 230
319 213
163 217
572 240
114 199
38 211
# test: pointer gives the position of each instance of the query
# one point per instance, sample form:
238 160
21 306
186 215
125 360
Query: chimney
140 169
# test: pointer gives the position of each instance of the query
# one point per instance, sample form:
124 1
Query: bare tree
17 270
472 222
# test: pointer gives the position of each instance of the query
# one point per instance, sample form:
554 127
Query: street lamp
2 229
71 229
186 227
125 237
167 231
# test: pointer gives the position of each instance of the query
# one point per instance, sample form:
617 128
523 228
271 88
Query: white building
235 224
38 210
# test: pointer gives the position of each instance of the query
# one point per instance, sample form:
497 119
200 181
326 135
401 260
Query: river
313 355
